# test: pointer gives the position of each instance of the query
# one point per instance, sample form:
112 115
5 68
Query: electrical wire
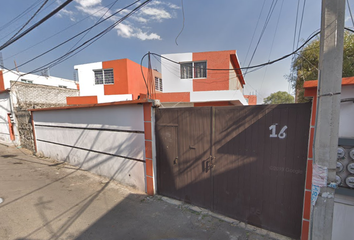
36 24
96 23
297 16
270 13
44 40
182 23
254 32
254 66
90 41
82 32
29 20
9 23
302 18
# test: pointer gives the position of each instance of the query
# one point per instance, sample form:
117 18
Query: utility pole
327 123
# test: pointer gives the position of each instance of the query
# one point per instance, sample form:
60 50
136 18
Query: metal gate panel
239 161
191 182
260 179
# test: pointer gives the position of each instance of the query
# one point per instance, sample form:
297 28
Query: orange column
148 149
308 184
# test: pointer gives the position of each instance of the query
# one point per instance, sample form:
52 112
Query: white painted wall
4 125
171 73
343 217
5 108
125 144
37 79
346 127
209 96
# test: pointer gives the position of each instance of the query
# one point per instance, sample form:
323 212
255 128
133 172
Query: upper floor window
104 76
193 70
158 84
26 81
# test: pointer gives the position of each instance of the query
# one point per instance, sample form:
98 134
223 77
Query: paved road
43 199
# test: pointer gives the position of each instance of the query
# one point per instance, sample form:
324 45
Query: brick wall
27 96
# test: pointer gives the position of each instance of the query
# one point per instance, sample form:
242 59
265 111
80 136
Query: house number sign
273 129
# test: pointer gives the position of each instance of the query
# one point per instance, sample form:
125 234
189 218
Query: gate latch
175 161
210 164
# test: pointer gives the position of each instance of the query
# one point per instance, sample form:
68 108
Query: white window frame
103 76
193 72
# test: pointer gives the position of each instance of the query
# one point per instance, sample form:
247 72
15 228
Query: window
26 81
62 86
193 70
186 70
158 84
104 76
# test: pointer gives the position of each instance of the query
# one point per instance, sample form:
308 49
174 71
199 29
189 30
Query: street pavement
45 199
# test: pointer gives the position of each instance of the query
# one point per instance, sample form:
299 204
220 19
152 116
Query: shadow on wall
256 179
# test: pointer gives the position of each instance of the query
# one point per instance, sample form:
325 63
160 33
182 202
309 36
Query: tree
278 98
305 64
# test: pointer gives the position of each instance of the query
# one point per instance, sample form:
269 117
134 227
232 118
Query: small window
186 70
200 70
104 76
193 70
26 81
158 84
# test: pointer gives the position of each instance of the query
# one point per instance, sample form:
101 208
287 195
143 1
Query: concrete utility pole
329 90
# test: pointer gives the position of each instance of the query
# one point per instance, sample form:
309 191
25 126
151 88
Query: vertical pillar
327 123
148 149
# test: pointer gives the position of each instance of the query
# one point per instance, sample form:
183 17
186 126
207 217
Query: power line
36 24
302 18
254 32
56 33
82 32
9 23
29 20
91 40
254 66
271 9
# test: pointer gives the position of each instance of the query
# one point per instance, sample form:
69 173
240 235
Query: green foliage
278 98
305 64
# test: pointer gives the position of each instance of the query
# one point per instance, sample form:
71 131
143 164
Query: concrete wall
207 96
27 96
108 140
343 215
346 128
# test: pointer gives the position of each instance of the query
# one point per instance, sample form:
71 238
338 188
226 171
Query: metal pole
327 121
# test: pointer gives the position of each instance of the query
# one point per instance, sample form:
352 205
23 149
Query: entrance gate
246 162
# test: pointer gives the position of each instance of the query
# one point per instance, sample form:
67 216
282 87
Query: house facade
18 94
110 81
202 79
186 80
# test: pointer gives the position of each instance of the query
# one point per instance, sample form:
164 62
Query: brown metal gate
246 162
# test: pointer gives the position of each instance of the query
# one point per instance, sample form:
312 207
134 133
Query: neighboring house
343 216
187 84
201 79
111 81
17 94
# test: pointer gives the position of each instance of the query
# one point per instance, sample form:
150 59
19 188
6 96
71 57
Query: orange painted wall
81 100
216 80
136 84
252 99
2 84
127 78
120 85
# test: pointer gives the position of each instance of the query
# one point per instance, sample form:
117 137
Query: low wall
106 140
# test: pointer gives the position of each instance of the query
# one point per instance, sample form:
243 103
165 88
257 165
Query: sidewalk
44 199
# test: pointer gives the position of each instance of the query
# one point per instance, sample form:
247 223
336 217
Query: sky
171 26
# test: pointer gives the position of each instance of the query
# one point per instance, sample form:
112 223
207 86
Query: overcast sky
208 26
